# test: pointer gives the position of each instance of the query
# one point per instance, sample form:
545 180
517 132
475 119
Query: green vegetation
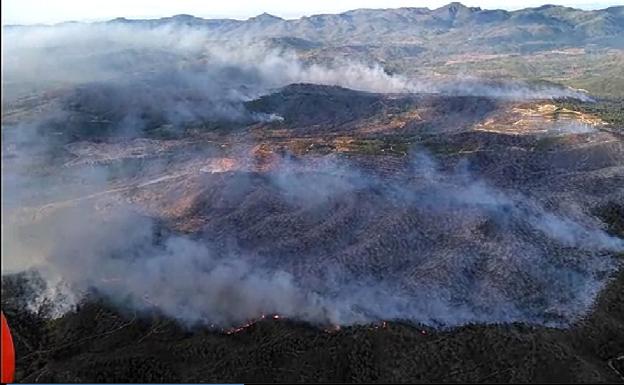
610 110
599 72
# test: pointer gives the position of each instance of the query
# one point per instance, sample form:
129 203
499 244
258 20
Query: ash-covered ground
201 218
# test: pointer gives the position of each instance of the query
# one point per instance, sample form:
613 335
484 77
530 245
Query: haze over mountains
437 168
454 24
579 48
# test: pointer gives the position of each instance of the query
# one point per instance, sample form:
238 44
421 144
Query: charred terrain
174 211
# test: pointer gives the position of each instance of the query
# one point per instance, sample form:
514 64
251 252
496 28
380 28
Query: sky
55 11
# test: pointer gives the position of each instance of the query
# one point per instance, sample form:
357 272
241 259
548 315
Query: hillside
402 194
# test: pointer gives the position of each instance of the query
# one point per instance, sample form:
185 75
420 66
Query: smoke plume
324 240
447 274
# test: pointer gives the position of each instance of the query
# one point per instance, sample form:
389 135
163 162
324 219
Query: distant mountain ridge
383 25
577 48
453 23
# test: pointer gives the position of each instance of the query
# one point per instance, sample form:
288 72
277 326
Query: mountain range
578 48
454 24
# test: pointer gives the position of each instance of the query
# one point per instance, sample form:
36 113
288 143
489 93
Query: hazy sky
54 11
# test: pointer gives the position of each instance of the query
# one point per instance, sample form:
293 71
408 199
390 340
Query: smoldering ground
438 269
321 242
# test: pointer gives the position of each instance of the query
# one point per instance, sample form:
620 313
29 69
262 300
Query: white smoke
48 58
119 254
183 75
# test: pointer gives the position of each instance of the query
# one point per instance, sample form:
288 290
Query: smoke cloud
537 267
192 63
323 240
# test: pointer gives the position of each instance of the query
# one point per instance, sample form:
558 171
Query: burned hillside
230 211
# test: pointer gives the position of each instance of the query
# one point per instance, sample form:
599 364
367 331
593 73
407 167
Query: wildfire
246 325
382 325
242 327
238 329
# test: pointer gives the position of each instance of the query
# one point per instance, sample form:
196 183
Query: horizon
39 12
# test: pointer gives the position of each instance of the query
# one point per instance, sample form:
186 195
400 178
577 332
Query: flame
246 325
333 329
382 325
242 327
